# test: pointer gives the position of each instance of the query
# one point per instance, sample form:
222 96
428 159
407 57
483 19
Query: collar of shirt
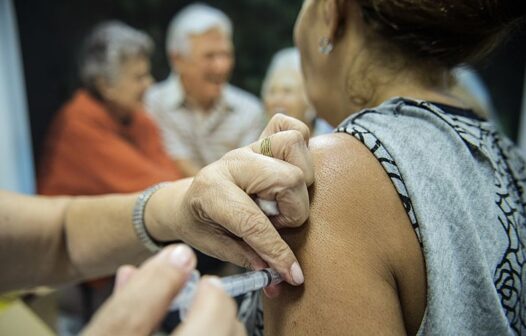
95 110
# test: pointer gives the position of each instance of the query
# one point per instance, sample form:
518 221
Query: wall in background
503 73
16 160
51 33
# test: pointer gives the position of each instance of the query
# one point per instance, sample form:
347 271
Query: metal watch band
138 218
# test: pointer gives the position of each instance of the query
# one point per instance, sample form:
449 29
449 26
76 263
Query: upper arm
364 270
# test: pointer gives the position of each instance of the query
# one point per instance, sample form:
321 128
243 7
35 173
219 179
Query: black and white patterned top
461 184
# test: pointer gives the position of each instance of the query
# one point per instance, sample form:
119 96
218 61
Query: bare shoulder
364 269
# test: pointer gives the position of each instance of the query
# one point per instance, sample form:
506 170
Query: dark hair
446 32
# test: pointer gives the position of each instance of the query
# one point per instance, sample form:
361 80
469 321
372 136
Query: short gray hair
285 59
109 44
194 19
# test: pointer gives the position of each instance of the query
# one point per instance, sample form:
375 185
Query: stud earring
326 46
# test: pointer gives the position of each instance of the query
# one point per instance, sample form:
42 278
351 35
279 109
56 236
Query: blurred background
51 32
40 42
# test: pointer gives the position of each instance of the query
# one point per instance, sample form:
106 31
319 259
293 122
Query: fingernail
214 281
181 257
297 274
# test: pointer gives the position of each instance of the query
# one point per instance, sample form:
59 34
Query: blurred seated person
101 141
201 116
283 91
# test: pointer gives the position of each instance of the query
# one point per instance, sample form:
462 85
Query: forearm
99 235
188 168
47 241
32 241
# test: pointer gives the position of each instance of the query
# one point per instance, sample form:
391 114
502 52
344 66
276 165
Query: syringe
234 285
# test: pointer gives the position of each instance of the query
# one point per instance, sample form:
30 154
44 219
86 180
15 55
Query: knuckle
199 200
295 208
295 219
254 225
279 250
294 176
295 137
233 154
278 118
304 129
198 207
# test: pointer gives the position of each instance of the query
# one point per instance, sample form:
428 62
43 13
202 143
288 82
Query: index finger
281 122
248 222
289 146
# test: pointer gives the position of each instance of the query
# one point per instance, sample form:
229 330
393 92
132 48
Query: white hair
285 59
194 19
109 44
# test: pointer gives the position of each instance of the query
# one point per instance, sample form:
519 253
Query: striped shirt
188 134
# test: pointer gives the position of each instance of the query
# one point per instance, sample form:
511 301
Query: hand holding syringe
234 285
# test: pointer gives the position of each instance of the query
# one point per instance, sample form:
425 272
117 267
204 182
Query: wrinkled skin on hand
219 203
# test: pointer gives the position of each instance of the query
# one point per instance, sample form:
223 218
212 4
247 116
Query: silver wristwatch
138 218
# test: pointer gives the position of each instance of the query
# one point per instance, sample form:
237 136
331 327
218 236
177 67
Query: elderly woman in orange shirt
101 141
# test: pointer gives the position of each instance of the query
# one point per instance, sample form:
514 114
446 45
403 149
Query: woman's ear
335 15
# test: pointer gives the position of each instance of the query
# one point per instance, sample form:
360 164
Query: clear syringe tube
240 284
234 285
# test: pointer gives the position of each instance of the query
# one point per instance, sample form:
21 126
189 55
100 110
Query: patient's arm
364 269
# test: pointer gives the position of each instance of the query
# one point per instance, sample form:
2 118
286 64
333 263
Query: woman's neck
411 85
416 92
120 114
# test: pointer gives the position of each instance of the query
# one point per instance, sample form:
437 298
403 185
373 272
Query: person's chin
214 91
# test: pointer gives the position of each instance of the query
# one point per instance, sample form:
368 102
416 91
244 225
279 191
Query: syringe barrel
251 281
234 285
187 293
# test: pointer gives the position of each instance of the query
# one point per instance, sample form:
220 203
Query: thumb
138 307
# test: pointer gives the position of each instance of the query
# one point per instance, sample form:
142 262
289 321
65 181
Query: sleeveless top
461 184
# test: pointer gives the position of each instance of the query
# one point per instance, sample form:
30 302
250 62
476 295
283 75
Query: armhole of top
385 159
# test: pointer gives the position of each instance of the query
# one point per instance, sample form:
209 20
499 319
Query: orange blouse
88 152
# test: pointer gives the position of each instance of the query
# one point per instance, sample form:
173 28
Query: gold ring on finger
266 147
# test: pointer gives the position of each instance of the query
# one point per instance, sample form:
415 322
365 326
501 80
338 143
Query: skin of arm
364 268
66 239
187 167
46 241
